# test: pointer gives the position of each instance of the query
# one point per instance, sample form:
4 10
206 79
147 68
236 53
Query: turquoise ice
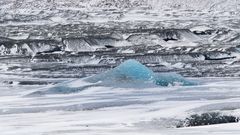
133 71
130 73
130 70
166 79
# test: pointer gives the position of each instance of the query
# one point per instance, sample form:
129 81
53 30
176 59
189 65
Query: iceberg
130 73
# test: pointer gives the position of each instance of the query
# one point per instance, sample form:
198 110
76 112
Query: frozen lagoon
112 110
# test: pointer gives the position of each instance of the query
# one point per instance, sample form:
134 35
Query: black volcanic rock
208 119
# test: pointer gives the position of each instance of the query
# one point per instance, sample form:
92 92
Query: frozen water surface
108 109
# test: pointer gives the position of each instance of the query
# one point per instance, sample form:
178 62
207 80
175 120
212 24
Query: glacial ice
59 89
133 71
130 73
128 70
166 79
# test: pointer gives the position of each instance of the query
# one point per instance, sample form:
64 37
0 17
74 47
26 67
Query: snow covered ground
112 110
120 101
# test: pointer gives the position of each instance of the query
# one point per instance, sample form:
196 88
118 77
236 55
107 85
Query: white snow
105 110
128 51
200 28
